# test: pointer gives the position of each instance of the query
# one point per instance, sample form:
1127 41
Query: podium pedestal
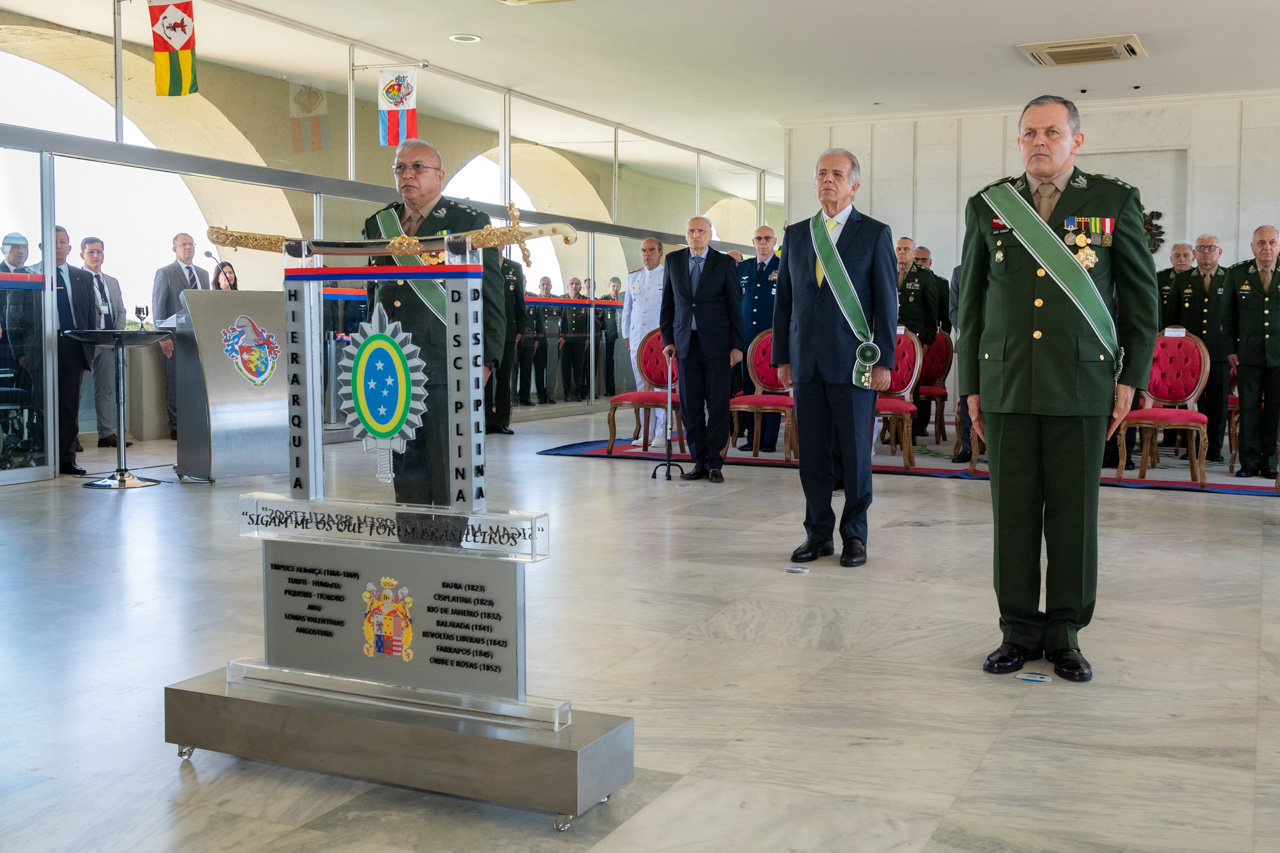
564 772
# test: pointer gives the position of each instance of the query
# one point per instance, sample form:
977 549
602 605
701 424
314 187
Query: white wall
1209 164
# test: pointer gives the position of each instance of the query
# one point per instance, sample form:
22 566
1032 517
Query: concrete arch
191 124
734 219
555 184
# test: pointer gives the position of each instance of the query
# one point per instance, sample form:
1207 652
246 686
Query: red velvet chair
933 382
775 400
653 367
894 405
1179 371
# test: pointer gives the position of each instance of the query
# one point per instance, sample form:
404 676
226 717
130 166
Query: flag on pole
308 117
397 106
173 37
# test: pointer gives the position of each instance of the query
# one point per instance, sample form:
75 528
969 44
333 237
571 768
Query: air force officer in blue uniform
701 320
815 348
758 280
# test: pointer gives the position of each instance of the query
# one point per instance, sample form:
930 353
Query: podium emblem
252 349
388 627
383 388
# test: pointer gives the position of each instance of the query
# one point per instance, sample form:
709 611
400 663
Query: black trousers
704 404
171 387
497 393
573 367
1258 386
1213 405
609 368
421 473
531 365
835 416
71 368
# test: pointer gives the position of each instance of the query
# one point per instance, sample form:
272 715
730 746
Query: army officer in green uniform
1181 258
1201 302
918 314
421 472
1257 302
497 391
1040 369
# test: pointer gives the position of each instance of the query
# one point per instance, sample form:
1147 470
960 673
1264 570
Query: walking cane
667 430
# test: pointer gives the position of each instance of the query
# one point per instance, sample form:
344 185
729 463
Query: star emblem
391 380
382 410
372 384
380 364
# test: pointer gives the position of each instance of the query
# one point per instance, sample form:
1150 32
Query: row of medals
1086 256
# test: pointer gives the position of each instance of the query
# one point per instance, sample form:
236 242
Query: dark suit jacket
717 306
83 307
809 330
166 290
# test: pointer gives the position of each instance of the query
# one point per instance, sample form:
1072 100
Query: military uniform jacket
447 217
549 319
1253 315
1024 346
942 290
513 280
1164 281
575 319
918 305
757 296
1205 315
533 327
610 317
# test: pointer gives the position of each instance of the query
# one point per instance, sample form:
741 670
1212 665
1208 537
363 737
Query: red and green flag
173 37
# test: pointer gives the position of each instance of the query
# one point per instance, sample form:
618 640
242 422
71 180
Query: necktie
695 275
1046 198
1265 275
831 227
66 319
760 271
191 277
410 225
1207 278
104 320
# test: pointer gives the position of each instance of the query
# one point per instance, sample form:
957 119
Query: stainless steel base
564 772
122 479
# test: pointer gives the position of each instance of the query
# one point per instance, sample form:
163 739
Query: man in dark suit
758 279
421 472
815 347
701 321
166 300
108 313
75 311
1050 360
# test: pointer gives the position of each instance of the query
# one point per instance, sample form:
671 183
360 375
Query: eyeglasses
762 239
1207 248
416 168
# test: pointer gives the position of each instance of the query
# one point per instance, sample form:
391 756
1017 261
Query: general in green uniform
1181 259
1256 331
1042 383
918 314
422 472
1201 303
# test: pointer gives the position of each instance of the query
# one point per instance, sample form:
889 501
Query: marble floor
841 710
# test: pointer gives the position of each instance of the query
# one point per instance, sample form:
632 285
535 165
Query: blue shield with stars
380 386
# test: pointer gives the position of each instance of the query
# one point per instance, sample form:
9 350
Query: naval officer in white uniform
641 305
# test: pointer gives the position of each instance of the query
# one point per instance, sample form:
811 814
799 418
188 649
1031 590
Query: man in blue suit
758 279
814 347
701 321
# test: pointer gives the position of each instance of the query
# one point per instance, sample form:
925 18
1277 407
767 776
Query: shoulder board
1242 264
637 269
1116 181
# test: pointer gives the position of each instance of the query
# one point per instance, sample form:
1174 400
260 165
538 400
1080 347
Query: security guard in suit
421 472
533 338
918 314
1201 303
1044 387
497 392
1256 304
758 281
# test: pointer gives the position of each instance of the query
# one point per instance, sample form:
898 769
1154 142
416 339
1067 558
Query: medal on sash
867 354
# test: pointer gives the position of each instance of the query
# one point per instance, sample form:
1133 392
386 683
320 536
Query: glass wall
564 163
774 202
728 198
656 184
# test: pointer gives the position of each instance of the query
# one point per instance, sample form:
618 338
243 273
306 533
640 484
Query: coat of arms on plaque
382 385
388 627
252 349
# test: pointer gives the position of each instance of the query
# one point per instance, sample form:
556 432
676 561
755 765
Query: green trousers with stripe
1044 488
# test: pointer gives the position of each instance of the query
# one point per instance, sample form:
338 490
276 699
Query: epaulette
996 183
637 269
1242 264
1111 179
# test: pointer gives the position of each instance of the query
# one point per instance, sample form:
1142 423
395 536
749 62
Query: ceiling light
464 38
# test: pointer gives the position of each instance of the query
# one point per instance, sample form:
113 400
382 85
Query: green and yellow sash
846 297
432 292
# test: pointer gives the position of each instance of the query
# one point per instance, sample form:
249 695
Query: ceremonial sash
431 291
1057 261
837 277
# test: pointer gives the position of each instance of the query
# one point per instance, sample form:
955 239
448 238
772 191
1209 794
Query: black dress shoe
1009 658
490 430
77 447
1070 664
112 441
505 430
551 400
1128 465
1269 473
768 448
1246 472
811 550
747 448
1214 457
698 473
715 476
173 435
72 469
854 553
525 403
837 486
962 458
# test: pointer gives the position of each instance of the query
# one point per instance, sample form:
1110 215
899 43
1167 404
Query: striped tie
191 277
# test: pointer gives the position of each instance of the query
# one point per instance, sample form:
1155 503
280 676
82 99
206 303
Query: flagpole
351 112
118 57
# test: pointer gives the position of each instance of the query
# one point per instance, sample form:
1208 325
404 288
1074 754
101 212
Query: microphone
209 255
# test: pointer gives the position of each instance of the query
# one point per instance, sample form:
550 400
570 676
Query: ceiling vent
1049 54
527 2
